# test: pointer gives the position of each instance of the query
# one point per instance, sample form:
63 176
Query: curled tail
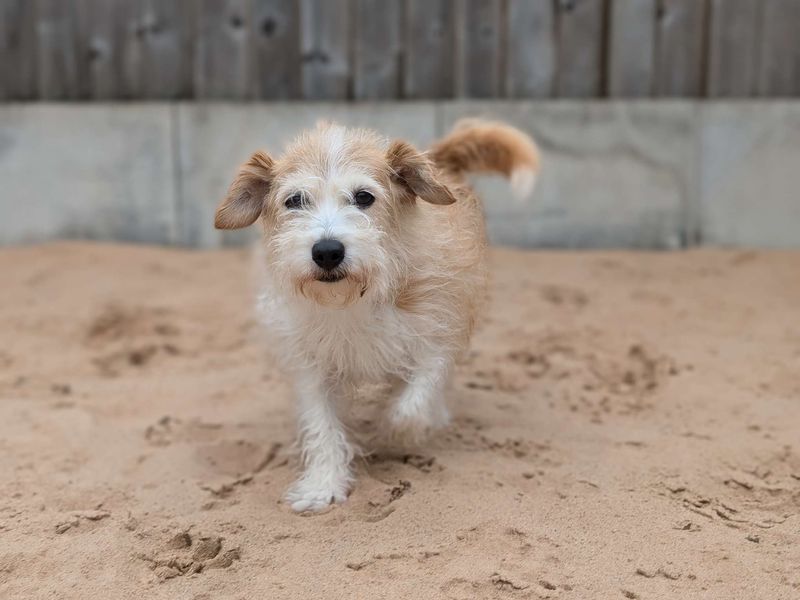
476 146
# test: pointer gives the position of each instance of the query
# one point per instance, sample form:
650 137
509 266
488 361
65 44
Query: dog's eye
295 201
364 199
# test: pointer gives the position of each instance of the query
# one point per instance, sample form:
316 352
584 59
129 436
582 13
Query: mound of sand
626 426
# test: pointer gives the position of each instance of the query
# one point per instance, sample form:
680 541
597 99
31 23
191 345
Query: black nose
328 254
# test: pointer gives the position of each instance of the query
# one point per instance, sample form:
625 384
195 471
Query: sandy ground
626 426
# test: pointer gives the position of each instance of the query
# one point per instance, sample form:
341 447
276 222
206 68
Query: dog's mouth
346 286
331 277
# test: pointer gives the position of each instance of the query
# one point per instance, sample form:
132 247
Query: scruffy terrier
375 271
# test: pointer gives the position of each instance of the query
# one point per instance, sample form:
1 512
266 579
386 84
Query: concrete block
216 138
86 171
750 195
614 174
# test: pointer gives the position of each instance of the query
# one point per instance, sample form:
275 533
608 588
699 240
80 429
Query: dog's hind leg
419 407
326 451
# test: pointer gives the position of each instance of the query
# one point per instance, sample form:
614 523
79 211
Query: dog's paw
410 428
314 494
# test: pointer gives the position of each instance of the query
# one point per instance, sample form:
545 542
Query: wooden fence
389 49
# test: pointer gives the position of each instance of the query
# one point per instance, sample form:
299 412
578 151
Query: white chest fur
364 341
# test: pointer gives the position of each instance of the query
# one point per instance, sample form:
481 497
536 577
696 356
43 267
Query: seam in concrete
438 119
693 198
175 167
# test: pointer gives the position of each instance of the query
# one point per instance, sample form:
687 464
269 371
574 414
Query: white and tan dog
375 272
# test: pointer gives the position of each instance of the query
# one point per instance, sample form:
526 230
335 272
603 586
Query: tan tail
489 146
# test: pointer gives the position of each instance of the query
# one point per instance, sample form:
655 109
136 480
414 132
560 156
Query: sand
627 425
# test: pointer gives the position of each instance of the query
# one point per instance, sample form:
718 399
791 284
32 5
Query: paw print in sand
185 554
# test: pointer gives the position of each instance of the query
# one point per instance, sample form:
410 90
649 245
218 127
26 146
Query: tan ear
417 173
245 199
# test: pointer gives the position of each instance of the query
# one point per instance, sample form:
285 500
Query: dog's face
334 207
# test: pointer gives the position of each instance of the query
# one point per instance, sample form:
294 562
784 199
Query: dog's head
336 209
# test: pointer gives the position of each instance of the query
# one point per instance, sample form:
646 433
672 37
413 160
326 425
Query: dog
375 270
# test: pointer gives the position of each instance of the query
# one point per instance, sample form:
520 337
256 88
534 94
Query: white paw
315 493
410 426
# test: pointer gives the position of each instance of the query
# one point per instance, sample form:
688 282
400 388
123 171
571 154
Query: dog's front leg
419 406
326 451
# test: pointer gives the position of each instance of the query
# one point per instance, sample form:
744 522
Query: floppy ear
245 199
417 173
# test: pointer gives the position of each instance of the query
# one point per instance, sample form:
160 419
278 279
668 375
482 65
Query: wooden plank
17 50
430 49
167 30
325 43
631 48
580 48
222 58
681 26
137 49
480 49
530 49
107 42
58 67
97 48
276 49
779 72
377 52
733 48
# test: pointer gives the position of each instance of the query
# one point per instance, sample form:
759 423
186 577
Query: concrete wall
662 174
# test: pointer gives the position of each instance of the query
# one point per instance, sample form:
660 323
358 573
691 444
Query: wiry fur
414 275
